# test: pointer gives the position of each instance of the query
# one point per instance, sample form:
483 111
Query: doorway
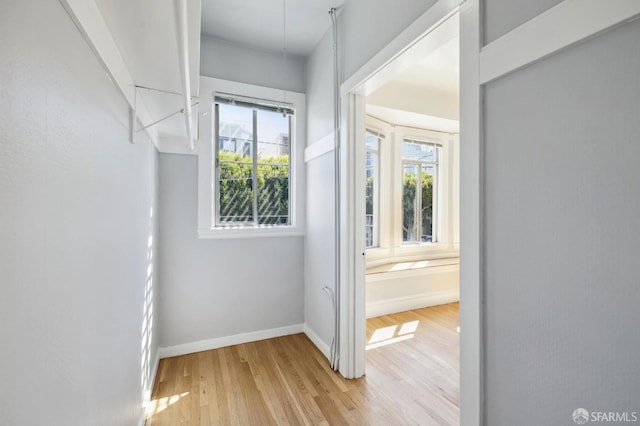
433 237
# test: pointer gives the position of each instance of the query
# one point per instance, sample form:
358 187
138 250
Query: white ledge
319 148
557 28
250 232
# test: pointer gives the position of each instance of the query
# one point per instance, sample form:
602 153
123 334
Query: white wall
75 226
399 291
367 26
246 64
215 290
219 288
319 241
561 234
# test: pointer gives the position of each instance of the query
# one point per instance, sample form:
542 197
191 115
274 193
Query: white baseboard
156 363
237 339
154 373
407 303
152 383
320 344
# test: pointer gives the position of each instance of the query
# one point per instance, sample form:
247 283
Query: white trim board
221 342
319 148
414 301
550 32
320 344
410 273
87 17
154 373
471 219
152 382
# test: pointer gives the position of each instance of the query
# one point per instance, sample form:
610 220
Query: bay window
411 192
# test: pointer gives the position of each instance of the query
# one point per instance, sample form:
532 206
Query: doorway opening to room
404 121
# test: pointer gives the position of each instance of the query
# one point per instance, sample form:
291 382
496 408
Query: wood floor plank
412 377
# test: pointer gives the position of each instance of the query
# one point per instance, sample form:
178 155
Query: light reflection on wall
147 320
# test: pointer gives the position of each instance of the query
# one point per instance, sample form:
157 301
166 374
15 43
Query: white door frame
363 81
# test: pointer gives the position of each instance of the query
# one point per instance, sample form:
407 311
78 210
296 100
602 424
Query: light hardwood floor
412 378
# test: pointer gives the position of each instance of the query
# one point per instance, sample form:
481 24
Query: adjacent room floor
412 378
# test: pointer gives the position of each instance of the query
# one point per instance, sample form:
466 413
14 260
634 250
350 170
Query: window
419 191
411 192
252 177
250 161
372 187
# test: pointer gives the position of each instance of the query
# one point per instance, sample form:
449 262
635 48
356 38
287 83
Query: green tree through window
253 172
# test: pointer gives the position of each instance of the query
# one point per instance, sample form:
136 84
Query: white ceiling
413 119
439 71
424 89
259 23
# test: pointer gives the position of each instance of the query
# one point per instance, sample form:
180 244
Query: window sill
250 232
409 253
413 266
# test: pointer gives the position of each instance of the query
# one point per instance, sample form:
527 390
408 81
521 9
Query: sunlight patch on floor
387 335
158 405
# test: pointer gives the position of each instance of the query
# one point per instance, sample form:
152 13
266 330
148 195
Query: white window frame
437 188
206 159
254 143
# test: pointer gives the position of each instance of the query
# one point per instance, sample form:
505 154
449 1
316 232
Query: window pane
235 150
273 168
273 194
419 151
372 144
236 192
427 182
235 130
409 202
420 174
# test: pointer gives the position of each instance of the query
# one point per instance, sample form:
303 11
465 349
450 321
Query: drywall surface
319 248
219 288
77 231
399 291
245 64
502 16
562 237
320 238
319 91
369 25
